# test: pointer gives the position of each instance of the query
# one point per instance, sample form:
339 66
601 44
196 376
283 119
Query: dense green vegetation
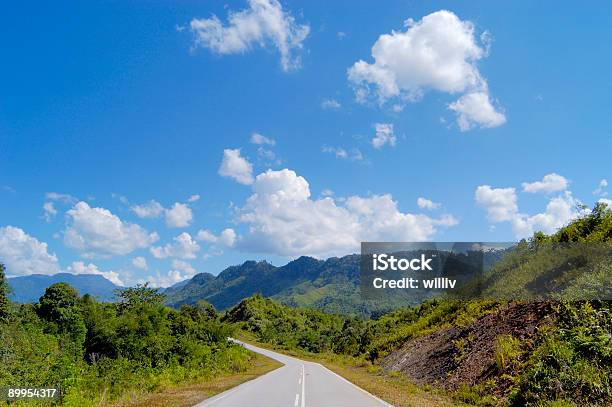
97 352
330 285
566 361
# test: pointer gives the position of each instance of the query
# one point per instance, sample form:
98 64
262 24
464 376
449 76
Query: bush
96 352
507 350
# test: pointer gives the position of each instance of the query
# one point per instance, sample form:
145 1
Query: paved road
297 384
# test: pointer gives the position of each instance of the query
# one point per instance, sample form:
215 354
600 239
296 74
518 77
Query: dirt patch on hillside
454 356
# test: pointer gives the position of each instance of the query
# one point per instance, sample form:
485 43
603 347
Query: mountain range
331 285
26 289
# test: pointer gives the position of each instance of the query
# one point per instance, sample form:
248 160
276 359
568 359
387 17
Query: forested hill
331 285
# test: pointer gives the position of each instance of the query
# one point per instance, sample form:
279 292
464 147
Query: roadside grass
395 388
189 394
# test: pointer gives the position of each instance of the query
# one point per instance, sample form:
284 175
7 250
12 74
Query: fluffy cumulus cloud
559 212
283 219
79 267
165 280
183 246
184 267
384 135
501 205
428 204
550 183
439 52
150 210
475 109
23 254
179 216
181 271
236 167
140 263
98 232
227 237
257 138
263 23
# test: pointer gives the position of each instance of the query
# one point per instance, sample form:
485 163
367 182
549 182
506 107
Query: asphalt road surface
296 384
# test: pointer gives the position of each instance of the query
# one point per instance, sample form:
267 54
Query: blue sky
105 106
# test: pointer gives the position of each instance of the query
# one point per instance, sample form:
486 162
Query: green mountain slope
331 285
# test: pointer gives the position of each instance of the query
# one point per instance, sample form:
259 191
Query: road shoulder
188 395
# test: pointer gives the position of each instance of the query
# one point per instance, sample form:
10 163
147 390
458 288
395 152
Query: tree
60 306
57 298
4 291
141 295
207 309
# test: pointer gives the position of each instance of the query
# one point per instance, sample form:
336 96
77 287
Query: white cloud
236 167
284 220
600 190
179 216
79 267
550 183
184 247
475 109
500 203
330 104
384 135
327 192
439 52
425 203
183 266
151 209
49 211
23 254
167 280
227 237
64 198
606 201
559 212
98 232
140 262
264 22
206 236
340 152
257 138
